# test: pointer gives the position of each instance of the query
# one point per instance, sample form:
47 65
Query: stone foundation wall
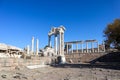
11 63
82 57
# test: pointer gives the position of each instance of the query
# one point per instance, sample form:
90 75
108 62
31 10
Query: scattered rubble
60 73
3 76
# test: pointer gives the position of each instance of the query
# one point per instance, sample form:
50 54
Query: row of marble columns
85 49
31 52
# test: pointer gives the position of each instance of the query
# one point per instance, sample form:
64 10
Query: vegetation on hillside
112 35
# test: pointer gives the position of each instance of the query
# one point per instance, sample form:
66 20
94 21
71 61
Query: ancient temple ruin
56 51
58 34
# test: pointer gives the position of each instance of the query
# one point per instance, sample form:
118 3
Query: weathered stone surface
3 76
69 73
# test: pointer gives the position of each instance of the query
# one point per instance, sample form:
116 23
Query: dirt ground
60 73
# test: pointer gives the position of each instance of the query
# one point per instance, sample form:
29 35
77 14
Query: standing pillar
103 46
60 43
28 49
97 46
67 48
76 47
55 45
87 47
72 48
81 47
92 47
49 41
32 47
37 47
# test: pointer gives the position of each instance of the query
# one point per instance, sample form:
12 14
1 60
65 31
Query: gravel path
52 73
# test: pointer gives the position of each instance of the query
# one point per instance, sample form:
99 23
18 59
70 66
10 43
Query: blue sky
83 19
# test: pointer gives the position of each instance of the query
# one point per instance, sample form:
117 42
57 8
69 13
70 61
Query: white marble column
103 46
67 48
72 48
28 49
81 47
92 46
32 47
60 43
49 41
98 46
87 47
55 45
37 47
76 47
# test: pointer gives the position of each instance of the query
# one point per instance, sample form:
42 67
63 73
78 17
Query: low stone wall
11 63
82 57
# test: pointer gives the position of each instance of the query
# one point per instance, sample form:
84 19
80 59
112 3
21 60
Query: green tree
112 35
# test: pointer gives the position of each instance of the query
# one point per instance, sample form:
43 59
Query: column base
61 59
